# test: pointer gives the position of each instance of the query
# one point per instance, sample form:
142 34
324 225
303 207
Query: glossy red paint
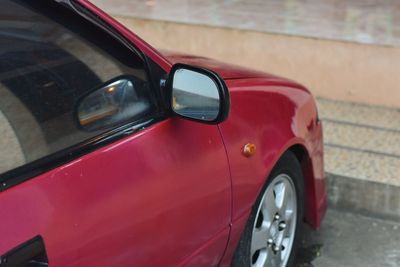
177 193
152 199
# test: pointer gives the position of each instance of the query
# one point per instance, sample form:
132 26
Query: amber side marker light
249 150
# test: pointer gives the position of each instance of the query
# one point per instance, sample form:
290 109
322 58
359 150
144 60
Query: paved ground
350 240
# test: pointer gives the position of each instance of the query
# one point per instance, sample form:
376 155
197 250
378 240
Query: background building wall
334 69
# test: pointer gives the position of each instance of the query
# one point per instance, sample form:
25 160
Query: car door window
50 58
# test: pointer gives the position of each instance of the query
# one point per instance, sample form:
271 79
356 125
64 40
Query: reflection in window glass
49 58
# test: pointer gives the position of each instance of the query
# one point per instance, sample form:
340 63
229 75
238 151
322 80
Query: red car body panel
127 202
124 203
275 117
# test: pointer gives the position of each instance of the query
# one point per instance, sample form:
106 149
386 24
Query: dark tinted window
49 59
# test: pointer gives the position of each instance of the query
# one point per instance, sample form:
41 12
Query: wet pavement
351 240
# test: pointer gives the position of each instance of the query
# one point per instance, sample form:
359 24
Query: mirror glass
195 95
112 103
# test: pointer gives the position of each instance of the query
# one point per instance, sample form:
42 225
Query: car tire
271 235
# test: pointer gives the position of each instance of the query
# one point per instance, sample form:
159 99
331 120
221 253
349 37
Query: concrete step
374 199
361 141
362 157
361 115
362 165
362 138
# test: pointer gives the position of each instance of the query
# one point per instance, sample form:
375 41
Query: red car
114 154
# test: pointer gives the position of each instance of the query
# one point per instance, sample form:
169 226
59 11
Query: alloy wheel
275 225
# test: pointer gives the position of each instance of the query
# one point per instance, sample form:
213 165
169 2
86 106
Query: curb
368 198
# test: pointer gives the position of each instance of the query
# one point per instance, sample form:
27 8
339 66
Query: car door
140 189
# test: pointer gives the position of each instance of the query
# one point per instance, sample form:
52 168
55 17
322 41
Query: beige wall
331 69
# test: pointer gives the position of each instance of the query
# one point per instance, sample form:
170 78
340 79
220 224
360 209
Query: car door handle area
31 253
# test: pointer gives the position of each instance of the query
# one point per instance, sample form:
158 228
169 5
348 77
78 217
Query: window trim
42 165
59 158
93 18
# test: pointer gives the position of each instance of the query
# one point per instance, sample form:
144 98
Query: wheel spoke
259 239
269 207
269 261
288 217
282 195
277 259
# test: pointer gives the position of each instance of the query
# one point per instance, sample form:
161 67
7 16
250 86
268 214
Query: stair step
361 141
368 116
362 165
362 138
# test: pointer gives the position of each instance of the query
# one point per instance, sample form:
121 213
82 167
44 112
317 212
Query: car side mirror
198 94
113 103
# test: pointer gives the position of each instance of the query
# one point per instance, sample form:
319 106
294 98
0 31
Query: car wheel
271 234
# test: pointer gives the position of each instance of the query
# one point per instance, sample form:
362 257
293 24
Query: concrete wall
332 69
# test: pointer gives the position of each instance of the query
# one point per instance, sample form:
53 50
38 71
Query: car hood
226 71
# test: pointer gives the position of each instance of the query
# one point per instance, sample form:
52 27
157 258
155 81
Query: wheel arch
310 207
